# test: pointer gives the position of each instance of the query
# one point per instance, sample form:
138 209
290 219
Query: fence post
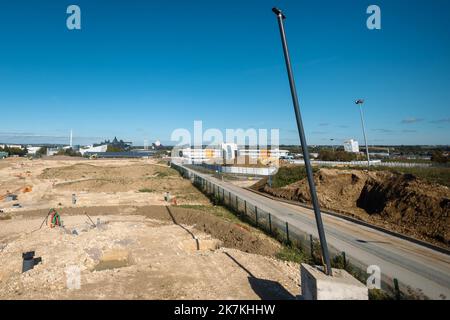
270 223
287 233
256 215
223 196
245 207
229 199
237 204
311 245
345 260
397 289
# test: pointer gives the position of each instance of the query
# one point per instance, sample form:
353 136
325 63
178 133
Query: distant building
92 149
33 150
263 153
16 146
351 146
52 151
229 151
119 145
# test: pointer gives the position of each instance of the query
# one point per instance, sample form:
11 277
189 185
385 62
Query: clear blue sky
140 69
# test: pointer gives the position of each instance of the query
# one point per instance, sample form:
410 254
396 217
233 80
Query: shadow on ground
265 289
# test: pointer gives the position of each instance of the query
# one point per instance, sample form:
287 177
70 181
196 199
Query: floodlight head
278 13
359 101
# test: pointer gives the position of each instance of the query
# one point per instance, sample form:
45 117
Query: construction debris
11 197
29 261
55 218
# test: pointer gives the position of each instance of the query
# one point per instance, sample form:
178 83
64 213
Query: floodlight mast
360 102
312 187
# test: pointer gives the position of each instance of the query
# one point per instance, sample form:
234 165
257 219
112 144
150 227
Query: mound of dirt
232 235
401 202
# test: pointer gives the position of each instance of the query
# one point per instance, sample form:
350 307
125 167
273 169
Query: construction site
127 229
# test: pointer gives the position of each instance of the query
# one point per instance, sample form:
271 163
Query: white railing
364 163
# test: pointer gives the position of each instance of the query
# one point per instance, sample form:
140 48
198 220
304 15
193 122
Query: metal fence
373 163
289 234
252 171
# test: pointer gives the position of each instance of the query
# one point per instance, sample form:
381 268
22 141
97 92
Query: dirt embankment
400 202
232 235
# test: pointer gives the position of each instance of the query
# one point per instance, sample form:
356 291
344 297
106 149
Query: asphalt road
412 264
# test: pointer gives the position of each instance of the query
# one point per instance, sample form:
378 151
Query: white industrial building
93 149
230 151
33 150
351 146
18 146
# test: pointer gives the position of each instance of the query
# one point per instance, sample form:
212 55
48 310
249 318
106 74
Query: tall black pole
312 187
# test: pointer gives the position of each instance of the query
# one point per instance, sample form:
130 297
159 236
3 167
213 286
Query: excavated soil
400 202
143 248
151 252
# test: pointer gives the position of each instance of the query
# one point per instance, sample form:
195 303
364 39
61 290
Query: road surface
412 264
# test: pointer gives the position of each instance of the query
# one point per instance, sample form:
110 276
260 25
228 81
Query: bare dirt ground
140 248
95 183
400 202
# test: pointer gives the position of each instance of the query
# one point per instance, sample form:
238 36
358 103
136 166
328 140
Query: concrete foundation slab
316 285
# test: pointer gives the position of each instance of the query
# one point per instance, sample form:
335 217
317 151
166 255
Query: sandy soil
135 257
142 248
95 183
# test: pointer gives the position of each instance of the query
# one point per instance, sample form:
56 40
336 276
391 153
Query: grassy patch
286 253
377 294
162 173
218 211
291 253
6 217
146 190
288 175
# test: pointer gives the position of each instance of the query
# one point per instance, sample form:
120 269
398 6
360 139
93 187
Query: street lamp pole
360 102
312 188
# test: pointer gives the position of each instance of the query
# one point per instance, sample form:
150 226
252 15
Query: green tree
41 152
336 155
439 157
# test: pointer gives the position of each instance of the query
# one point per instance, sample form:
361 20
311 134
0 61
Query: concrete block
316 285
114 259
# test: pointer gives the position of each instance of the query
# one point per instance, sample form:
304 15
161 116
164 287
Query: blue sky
140 69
